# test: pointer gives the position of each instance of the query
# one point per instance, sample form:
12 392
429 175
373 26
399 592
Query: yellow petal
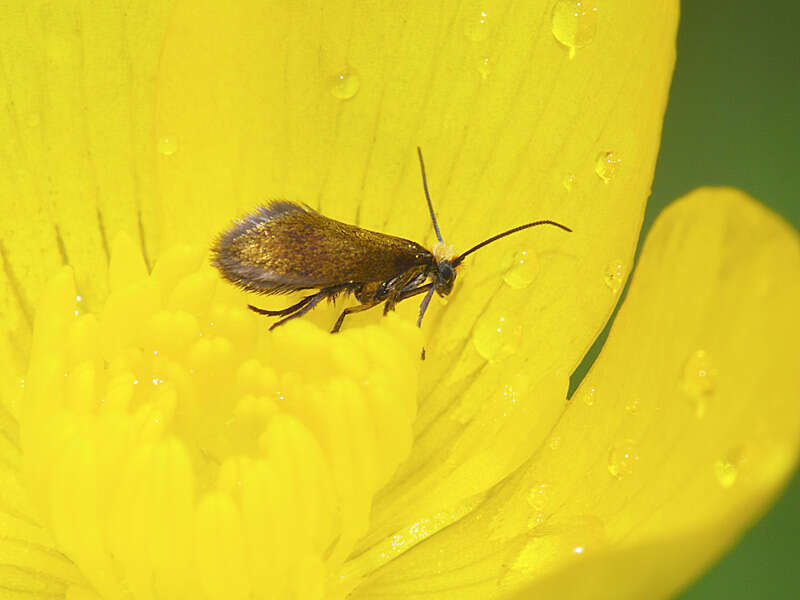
511 334
79 161
645 489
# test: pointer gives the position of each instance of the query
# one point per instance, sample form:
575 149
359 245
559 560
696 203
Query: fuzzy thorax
442 251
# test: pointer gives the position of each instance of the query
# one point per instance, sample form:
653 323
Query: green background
734 119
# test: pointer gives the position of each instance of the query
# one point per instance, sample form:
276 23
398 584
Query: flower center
177 448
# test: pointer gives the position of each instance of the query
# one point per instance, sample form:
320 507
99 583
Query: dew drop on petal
476 27
345 84
574 23
523 270
555 442
168 145
79 306
484 67
622 459
614 275
588 396
606 165
726 472
538 499
632 405
497 335
698 380
568 181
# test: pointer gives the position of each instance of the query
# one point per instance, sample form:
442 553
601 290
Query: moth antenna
428 197
457 261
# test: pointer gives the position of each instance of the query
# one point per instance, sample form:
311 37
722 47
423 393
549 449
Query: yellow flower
158 442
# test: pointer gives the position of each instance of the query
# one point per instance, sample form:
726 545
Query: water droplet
622 459
555 442
569 181
575 23
699 374
538 499
699 380
614 275
607 165
477 27
484 67
726 472
345 84
497 335
588 396
523 270
633 405
168 145
78 305
510 396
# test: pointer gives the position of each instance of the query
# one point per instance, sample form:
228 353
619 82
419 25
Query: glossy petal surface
679 437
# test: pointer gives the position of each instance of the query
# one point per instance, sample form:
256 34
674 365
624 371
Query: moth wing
285 247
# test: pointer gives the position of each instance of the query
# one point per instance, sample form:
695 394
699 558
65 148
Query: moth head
444 272
444 277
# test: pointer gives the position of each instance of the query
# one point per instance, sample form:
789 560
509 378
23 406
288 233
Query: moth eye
447 272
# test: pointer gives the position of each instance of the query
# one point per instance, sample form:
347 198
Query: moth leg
349 311
405 294
284 311
305 305
424 306
410 293
405 288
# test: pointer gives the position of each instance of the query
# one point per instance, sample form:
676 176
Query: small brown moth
285 247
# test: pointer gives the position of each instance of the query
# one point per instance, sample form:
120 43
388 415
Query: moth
285 247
